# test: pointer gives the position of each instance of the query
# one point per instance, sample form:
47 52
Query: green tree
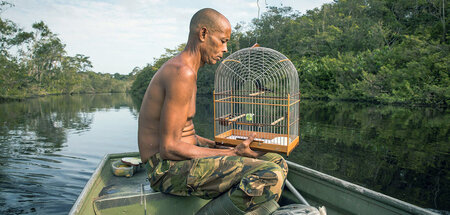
375 50
39 65
13 77
145 75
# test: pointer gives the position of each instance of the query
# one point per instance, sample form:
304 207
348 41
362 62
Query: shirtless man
175 159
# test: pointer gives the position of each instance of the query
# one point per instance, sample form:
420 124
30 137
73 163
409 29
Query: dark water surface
50 146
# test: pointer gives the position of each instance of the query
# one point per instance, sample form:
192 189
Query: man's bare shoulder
175 70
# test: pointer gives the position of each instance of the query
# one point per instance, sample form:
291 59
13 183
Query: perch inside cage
256 90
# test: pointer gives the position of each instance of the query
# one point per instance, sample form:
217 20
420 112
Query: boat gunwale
370 194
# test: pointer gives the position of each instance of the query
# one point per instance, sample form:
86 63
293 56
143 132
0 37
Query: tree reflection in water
400 151
35 176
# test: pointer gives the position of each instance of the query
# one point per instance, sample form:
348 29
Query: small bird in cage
256 91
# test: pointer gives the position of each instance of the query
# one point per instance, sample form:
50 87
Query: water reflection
46 153
402 152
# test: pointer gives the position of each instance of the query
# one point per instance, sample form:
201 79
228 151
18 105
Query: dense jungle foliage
387 51
36 63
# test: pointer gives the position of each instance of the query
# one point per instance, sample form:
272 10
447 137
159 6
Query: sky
119 35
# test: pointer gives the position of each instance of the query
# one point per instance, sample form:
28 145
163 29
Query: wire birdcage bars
256 90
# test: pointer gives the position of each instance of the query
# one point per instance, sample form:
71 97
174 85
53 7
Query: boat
106 193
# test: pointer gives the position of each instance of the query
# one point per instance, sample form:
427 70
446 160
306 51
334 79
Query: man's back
153 102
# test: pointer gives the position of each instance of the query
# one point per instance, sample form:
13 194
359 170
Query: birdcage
256 90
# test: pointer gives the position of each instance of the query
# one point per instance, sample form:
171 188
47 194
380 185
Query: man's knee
277 159
280 172
267 176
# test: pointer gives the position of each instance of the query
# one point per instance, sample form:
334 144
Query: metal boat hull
107 194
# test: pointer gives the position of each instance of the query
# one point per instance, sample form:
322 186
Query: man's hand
244 149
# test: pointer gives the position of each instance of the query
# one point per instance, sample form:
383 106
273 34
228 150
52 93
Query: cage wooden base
231 138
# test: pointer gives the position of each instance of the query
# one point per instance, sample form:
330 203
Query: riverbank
378 102
23 98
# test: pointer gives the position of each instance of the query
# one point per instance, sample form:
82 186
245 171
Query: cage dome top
257 71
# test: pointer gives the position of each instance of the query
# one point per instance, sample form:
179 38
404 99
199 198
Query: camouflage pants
252 181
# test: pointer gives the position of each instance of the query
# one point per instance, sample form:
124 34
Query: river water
50 146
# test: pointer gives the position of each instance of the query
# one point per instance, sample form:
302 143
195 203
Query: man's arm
178 94
205 142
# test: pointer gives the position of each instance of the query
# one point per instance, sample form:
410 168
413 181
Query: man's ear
202 34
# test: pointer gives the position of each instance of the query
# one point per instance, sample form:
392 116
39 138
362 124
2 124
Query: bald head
209 34
208 18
